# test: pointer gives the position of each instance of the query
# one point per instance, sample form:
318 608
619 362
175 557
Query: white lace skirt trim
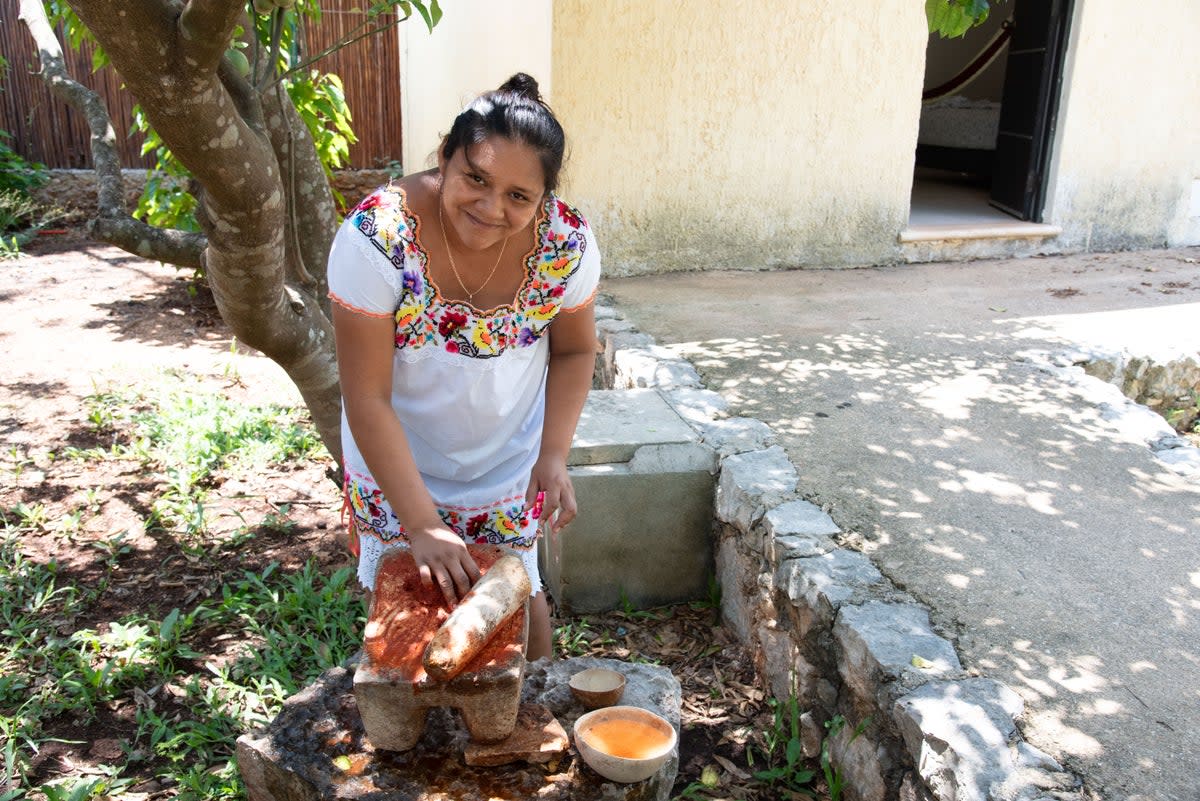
371 549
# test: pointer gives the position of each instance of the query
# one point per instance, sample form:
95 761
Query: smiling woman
466 355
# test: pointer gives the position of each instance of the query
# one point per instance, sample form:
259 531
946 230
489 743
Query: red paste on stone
405 615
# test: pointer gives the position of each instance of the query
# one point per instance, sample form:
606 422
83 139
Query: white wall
1127 154
476 47
742 134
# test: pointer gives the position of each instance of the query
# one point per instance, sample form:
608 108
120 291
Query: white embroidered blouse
468 385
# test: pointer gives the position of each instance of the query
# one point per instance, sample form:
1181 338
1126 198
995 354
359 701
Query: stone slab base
316 750
537 738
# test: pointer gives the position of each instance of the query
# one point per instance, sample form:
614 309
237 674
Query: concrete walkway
932 410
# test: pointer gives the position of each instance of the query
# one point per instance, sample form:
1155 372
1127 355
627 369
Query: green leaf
795 750
167 627
425 14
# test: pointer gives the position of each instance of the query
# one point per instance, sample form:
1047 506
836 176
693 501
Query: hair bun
523 85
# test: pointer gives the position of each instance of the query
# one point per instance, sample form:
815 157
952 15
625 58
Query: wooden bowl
624 744
597 687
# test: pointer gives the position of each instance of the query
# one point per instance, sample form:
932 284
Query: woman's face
490 191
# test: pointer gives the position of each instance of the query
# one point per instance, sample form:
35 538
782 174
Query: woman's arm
364 352
569 377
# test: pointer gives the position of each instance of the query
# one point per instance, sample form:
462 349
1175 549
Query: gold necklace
454 268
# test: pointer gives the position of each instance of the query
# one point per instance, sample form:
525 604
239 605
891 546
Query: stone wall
1171 388
824 625
74 191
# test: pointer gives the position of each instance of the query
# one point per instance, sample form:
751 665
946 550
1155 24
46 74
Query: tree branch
312 218
105 158
114 225
205 29
244 97
181 248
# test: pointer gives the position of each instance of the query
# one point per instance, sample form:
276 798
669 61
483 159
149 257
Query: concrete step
644 484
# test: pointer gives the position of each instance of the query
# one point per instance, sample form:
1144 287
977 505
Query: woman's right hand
443 561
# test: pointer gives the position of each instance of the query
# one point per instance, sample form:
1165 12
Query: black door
1029 106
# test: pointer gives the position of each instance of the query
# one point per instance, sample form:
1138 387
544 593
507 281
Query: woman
466 345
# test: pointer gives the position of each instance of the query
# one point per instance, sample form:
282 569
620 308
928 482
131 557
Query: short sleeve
583 282
357 275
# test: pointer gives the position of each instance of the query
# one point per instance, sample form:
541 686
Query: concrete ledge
616 423
1013 230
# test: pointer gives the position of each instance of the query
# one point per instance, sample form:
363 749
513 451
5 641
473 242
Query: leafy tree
952 18
263 204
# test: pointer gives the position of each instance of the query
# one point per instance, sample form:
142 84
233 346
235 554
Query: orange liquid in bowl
630 739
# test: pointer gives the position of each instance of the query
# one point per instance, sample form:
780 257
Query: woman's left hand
549 477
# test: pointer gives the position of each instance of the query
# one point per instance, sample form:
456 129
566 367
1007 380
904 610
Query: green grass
186 436
290 628
182 694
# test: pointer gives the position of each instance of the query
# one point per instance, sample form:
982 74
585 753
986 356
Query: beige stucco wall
739 135
476 47
1127 154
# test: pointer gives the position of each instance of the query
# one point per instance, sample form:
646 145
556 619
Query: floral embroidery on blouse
507 523
423 318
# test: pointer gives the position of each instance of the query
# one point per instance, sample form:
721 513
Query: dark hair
515 111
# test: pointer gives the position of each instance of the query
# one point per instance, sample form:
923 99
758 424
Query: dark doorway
1029 107
988 117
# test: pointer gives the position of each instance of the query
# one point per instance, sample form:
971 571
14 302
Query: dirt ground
81 318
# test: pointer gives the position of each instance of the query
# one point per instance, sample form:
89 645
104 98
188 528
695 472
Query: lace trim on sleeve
358 310
585 303
388 271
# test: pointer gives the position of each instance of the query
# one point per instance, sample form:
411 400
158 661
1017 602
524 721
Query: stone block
651 366
613 325
650 459
877 642
962 738
800 519
614 343
780 549
864 764
785 671
812 735
736 435
537 738
818 586
605 310
1184 461
798 529
647 686
742 598
752 482
696 406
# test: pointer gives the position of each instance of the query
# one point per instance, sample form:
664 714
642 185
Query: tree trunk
264 202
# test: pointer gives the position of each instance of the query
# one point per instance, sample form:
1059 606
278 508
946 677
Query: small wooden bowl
597 687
